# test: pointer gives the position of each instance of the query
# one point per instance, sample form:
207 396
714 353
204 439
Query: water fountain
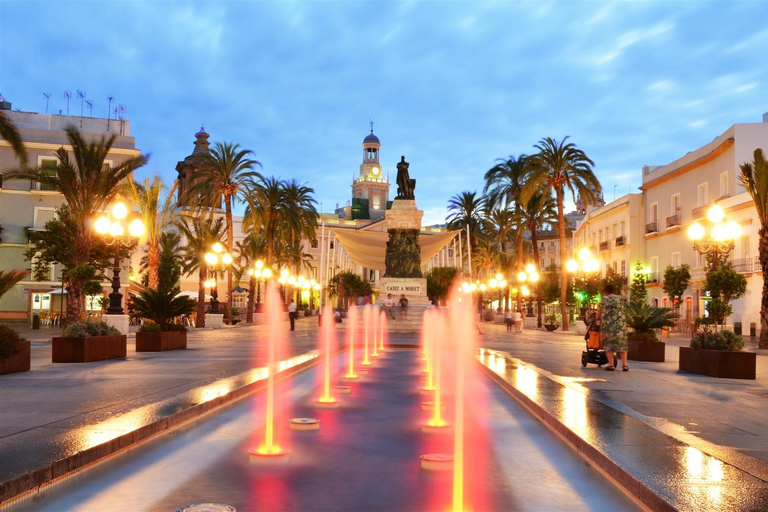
429 322
437 423
375 328
351 331
382 330
326 343
270 449
366 331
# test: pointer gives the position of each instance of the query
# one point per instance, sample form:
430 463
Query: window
616 266
745 249
450 253
675 259
600 235
551 245
48 167
551 261
702 195
724 184
623 229
623 268
44 274
675 204
542 263
42 216
654 212
654 269
615 231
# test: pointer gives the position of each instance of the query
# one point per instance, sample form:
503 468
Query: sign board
414 287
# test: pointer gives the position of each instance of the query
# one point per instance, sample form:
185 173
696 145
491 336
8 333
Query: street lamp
586 264
719 240
261 274
112 227
217 260
529 275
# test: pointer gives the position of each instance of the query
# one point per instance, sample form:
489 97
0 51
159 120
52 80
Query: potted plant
643 320
717 353
160 307
14 350
552 323
83 342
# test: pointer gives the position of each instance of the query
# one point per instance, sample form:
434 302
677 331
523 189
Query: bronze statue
405 185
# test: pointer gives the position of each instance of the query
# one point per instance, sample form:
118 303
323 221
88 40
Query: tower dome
371 138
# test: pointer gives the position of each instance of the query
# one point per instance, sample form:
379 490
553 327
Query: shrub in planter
718 340
643 319
14 351
718 354
87 341
159 307
89 328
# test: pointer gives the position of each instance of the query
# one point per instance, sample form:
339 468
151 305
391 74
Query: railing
743 265
653 277
652 227
756 265
697 273
620 241
673 220
699 212
604 246
724 196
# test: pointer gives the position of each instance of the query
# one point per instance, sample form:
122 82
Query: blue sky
451 85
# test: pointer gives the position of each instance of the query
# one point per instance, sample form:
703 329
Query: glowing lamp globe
499 276
259 264
482 287
715 214
119 211
533 276
136 228
591 265
571 265
267 273
493 283
102 225
719 234
530 268
227 259
284 274
526 291
211 258
217 247
116 229
584 254
696 231
503 283
732 229
522 276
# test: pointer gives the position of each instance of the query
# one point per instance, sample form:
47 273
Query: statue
405 185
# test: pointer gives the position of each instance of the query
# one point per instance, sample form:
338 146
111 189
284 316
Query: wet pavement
364 457
703 435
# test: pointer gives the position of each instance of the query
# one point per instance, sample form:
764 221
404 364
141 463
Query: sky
452 86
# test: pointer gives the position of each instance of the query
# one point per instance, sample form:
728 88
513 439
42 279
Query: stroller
595 353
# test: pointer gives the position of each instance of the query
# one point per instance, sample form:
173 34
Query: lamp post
585 264
218 260
261 274
529 275
720 238
112 227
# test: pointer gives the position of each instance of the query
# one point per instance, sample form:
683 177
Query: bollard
737 328
752 329
35 321
665 332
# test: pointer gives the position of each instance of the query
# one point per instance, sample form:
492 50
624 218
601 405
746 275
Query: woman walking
613 327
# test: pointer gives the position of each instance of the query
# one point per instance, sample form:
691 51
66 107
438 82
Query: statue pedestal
403 215
411 287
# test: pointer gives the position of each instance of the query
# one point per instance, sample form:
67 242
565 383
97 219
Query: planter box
652 351
93 348
160 341
18 362
718 363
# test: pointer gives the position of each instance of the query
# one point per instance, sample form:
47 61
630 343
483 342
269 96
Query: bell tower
371 186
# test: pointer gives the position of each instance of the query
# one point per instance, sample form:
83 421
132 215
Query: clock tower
371 185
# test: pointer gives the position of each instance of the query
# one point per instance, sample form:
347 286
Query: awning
369 249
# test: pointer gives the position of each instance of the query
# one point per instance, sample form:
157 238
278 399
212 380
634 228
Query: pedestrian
403 305
613 326
518 319
292 314
508 319
389 306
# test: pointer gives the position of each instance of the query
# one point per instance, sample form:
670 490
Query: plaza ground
58 409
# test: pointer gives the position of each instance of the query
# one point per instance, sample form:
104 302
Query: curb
622 478
35 481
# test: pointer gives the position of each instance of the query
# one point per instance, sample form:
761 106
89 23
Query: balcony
743 265
697 273
652 227
653 277
757 267
620 241
721 198
699 212
672 221
604 246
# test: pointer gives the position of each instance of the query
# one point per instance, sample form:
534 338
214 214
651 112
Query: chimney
765 117
4 105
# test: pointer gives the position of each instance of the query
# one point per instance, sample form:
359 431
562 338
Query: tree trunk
763 255
202 275
75 299
230 250
519 249
251 293
153 262
535 241
563 256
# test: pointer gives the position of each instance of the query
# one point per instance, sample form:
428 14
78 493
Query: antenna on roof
81 95
67 95
90 107
371 121
47 97
120 114
109 110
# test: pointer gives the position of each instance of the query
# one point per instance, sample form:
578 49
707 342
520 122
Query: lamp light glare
584 254
715 214
732 229
696 231
493 283
522 276
119 211
530 268
591 265
116 229
136 228
571 265
499 276
719 234
533 276
217 247
102 225
259 264
211 258
267 273
227 259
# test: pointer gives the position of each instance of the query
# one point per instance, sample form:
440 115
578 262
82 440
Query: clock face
375 171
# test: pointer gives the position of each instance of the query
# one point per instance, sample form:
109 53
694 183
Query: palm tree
301 221
10 279
556 167
265 211
88 186
754 178
227 173
466 209
9 132
156 215
200 234
503 184
250 250
540 211
501 221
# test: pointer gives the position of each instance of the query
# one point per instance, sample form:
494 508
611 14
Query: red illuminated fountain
435 322
351 331
326 344
382 331
270 449
366 331
375 330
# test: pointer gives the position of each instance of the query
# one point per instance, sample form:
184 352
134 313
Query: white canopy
368 249
193 295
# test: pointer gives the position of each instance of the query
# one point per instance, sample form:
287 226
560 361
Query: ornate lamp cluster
217 260
585 262
719 239
112 226
261 274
